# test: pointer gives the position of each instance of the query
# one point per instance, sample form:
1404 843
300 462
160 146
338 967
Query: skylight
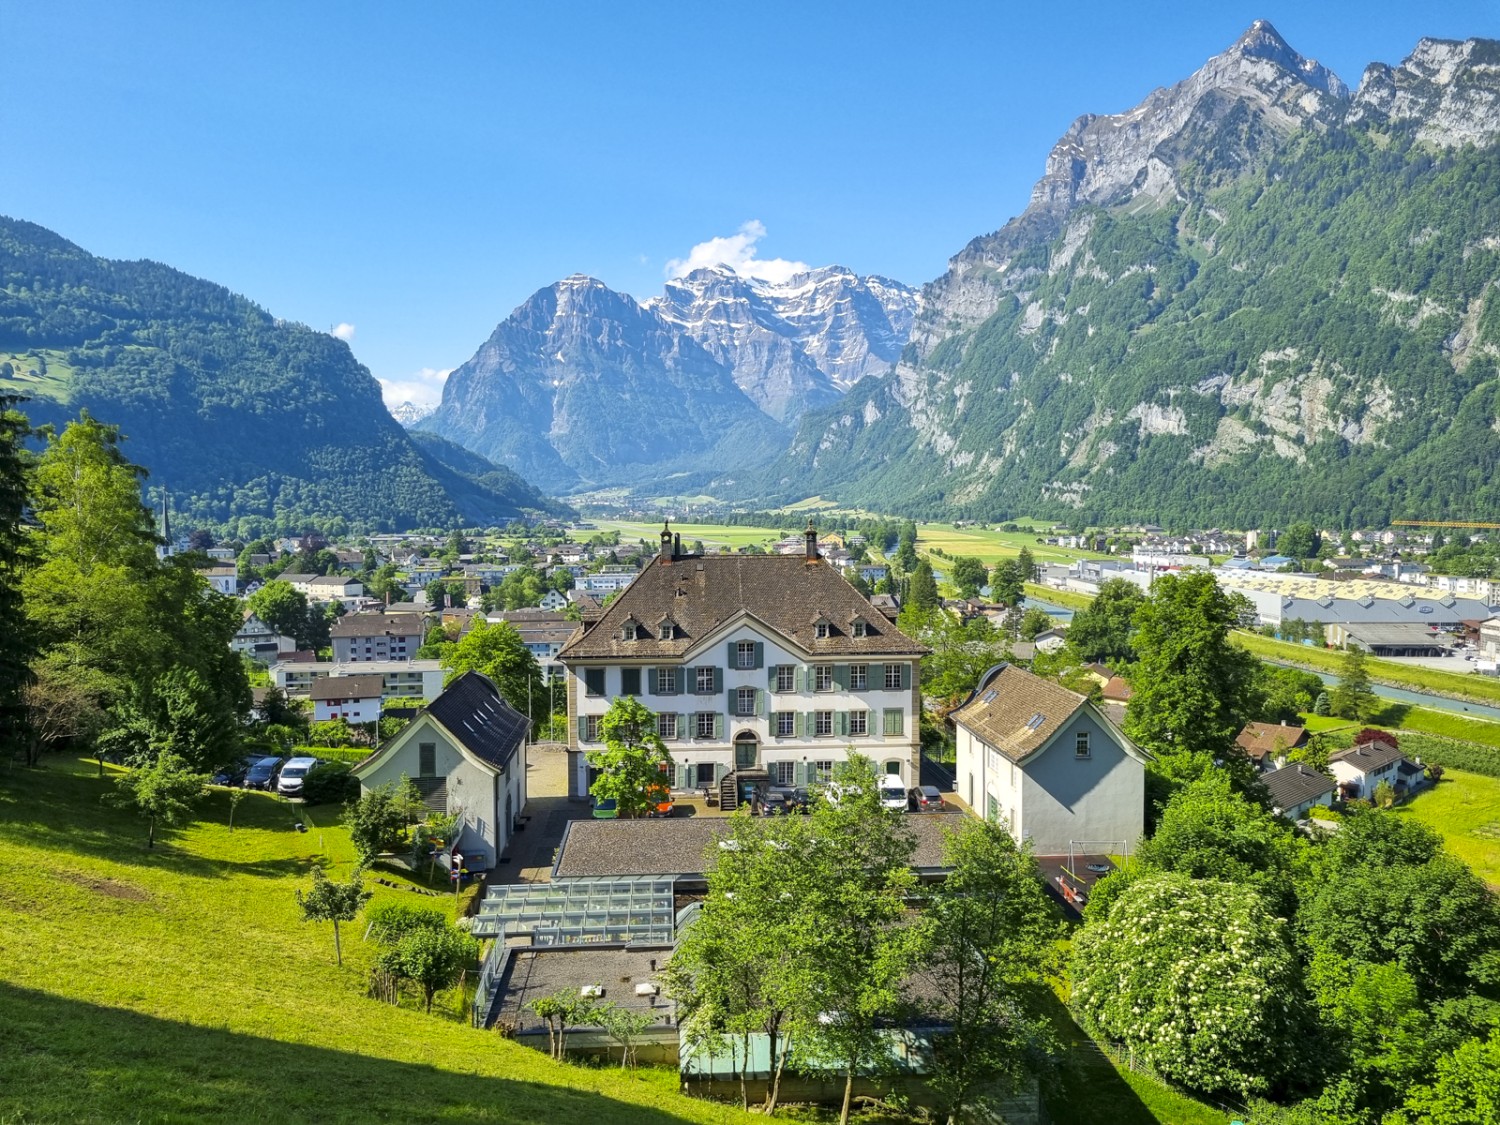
1036 721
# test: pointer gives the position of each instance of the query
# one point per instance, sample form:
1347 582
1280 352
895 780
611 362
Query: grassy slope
1485 689
180 986
1465 808
1065 598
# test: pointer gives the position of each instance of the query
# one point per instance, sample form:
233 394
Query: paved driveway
549 810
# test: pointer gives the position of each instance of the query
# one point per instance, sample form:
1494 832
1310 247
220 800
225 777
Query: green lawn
712 534
1065 598
1485 689
56 383
1465 808
181 986
991 546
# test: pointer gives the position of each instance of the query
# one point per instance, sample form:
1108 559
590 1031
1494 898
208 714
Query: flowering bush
1196 977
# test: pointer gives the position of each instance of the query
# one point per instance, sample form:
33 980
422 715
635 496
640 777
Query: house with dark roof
1049 765
355 699
761 669
1296 788
466 753
1359 769
1266 744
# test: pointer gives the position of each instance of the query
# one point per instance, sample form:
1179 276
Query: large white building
758 667
405 682
1045 762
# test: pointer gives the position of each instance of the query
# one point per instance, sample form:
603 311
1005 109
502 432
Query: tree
281 606
968 575
1322 705
498 652
634 759
625 1026
1193 689
562 1010
236 796
1196 977
988 944
377 822
1465 1088
1102 632
1208 831
1034 622
163 791
1353 698
334 902
1026 565
434 958
1299 541
18 644
63 703
962 650
924 591
1006 582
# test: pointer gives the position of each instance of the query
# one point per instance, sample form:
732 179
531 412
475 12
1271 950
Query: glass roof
577 911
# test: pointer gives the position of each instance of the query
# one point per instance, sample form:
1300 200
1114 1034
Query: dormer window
628 631
667 631
822 630
860 628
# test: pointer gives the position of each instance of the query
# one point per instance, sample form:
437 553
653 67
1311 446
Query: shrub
331 783
391 921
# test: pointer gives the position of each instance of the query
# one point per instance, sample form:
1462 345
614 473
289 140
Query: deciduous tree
334 902
1103 631
163 791
634 760
497 651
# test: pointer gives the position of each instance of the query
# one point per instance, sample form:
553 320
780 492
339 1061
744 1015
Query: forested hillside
244 417
1260 326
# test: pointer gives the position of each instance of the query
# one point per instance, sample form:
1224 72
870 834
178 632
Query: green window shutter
582 726
683 733
718 724
876 680
799 678
680 676
760 654
906 677
771 678
810 720
799 773
650 684
841 677
681 777
760 703
718 680
841 721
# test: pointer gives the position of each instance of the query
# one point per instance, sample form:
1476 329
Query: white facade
224 579
353 710
1085 788
554 599
405 680
746 699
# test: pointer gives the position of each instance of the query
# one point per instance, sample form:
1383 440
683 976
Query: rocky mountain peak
1262 41
1448 90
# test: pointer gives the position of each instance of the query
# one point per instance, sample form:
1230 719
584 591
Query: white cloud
737 251
343 330
425 388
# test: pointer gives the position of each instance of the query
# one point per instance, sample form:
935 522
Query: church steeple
166 549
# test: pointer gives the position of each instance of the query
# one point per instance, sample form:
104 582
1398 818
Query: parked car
892 793
262 774
235 774
661 801
775 802
289 781
606 809
926 798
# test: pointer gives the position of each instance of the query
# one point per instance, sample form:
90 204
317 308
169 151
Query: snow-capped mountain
793 345
409 413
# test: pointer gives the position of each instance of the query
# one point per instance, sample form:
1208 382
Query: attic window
667 629
628 631
822 630
1036 721
859 629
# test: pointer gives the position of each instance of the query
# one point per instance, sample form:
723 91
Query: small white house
466 754
1359 769
224 579
355 699
1045 761
1296 788
554 599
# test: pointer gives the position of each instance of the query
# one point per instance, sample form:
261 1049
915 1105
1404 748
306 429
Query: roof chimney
811 534
677 545
666 541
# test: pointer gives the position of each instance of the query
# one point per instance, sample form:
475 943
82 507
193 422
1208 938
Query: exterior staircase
729 793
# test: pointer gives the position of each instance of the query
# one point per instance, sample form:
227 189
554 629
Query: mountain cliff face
1251 297
243 416
795 345
582 386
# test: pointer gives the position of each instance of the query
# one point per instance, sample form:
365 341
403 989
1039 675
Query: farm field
1465 808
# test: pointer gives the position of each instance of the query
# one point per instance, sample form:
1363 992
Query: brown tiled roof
378 625
364 686
788 593
685 845
1016 712
1117 690
1260 739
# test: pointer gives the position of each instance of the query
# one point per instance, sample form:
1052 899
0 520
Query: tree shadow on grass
71 812
1087 1088
68 1061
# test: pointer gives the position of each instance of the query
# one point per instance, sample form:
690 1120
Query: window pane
859 677
785 677
823 722
823 677
786 723
893 677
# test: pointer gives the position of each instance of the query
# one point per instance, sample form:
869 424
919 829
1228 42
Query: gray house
466 753
1047 763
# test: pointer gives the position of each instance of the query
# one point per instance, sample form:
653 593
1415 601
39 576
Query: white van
892 793
289 784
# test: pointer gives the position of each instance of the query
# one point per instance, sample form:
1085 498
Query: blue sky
417 170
